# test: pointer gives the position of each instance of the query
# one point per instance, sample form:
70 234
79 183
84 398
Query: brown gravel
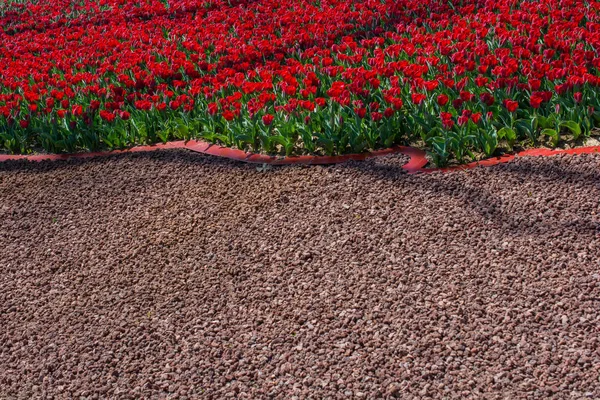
175 275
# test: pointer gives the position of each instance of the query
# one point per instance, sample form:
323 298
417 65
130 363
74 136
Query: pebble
156 275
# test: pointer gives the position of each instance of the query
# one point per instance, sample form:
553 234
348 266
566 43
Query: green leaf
327 144
210 136
553 134
431 133
389 141
573 126
535 121
163 135
546 122
222 138
440 145
587 126
281 140
488 142
440 152
244 138
509 134
182 131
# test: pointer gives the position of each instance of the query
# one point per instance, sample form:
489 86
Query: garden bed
468 79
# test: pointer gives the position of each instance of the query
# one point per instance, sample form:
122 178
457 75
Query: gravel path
173 275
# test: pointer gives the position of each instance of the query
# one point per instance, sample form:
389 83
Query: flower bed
465 79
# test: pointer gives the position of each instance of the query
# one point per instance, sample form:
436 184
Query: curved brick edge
504 159
417 160
416 164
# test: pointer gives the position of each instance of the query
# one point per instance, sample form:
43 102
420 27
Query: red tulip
77 110
457 103
228 115
267 119
213 108
447 120
487 99
418 98
442 99
107 115
511 105
431 85
535 101
143 105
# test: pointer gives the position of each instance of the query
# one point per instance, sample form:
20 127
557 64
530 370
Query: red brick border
417 156
507 158
416 164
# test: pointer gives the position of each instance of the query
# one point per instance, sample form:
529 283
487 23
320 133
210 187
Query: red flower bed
324 76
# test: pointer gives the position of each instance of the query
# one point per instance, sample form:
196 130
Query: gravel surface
173 275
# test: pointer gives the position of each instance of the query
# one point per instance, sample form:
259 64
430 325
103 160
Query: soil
174 275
